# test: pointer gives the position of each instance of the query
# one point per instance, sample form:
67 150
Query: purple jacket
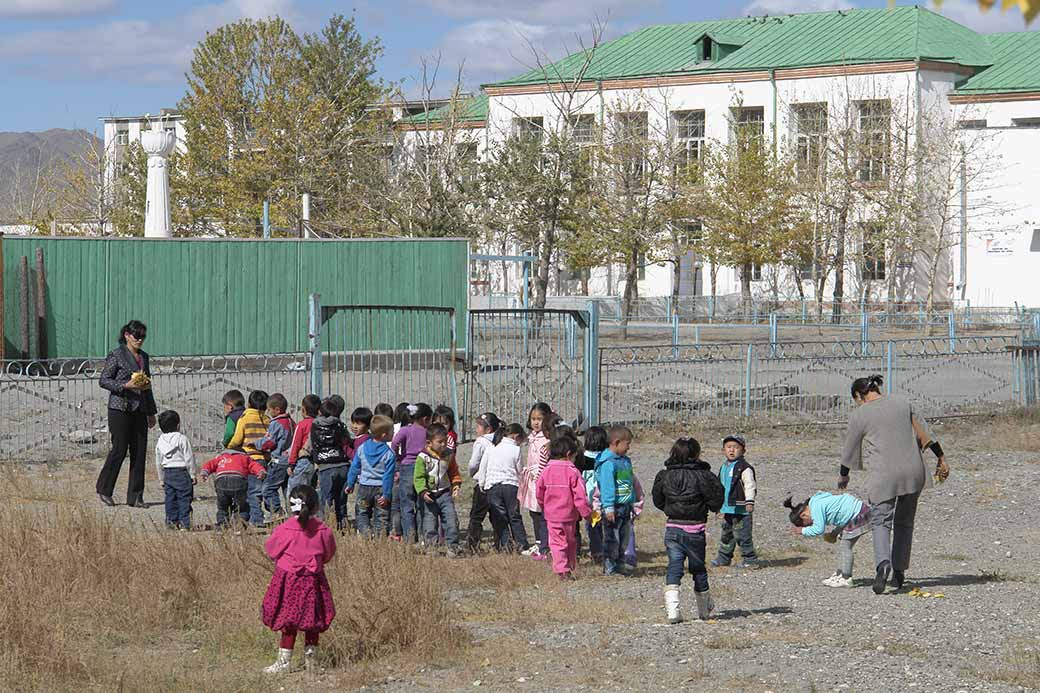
408 443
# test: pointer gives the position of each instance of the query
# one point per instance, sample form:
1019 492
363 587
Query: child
175 463
373 466
563 499
360 422
234 406
328 454
738 478
538 420
409 441
848 515
251 426
298 596
383 409
596 441
686 490
232 468
301 471
614 478
401 419
486 424
276 443
502 469
437 483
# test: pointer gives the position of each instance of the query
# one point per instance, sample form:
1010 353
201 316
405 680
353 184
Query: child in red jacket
232 469
561 495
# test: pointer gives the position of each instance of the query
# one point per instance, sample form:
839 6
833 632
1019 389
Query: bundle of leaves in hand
140 380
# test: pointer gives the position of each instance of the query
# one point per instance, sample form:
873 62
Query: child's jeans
506 520
276 481
615 540
331 481
441 506
371 519
630 550
541 532
255 491
232 495
409 510
685 548
303 473
179 494
736 529
564 546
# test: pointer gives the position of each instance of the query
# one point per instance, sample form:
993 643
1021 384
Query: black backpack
327 441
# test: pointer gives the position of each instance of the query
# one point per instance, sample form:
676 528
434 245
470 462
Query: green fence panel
218 296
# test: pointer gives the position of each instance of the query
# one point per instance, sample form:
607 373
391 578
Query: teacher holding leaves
131 412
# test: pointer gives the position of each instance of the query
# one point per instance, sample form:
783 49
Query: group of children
400 465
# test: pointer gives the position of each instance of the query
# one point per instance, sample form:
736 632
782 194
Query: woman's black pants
129 432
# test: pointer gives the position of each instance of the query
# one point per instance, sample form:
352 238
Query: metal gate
373 354
518 357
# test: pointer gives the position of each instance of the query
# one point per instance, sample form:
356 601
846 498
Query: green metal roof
1016 68
467 111
800 40
725 39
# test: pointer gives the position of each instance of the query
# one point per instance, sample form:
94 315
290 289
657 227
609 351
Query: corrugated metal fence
214 296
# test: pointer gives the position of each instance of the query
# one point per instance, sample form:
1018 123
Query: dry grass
728 642
1020 668
104 606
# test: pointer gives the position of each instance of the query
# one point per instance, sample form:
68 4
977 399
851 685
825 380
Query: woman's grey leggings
892 523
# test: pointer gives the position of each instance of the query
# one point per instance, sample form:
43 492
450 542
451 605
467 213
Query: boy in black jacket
686 490
329 442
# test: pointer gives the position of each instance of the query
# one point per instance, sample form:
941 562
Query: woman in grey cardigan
886 437
131 412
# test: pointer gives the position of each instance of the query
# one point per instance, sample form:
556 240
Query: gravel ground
777 628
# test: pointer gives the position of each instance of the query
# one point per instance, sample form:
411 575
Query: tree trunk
745 289
839 264
541 273
585 281
714 288
676 280
631 289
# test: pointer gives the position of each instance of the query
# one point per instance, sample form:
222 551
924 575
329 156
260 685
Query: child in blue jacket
617 497
373 469
849 518
276 443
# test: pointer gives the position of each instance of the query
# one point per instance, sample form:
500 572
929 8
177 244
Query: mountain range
31 164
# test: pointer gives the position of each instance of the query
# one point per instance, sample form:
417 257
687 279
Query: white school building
793 76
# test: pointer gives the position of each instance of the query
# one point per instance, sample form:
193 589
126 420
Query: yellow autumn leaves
1029 8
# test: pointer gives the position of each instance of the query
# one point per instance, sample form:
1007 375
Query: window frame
695 143
810 143
874 268
739 125
873 140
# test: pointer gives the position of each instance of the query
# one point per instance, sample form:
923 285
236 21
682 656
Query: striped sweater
251 426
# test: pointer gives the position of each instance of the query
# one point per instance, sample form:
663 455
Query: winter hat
736 439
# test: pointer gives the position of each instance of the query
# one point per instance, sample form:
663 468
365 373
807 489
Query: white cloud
968 13
130 51
53 8
540 11
775 7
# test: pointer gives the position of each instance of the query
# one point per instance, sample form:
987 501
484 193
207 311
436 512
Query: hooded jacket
687 491
561 492
614 478
436 474
233 463
374 464
173 451
277 439
328 435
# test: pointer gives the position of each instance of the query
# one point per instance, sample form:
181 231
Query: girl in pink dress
538 421
298 597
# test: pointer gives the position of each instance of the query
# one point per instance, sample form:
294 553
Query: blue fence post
805 314
864 333
890 356
920 314
527 281
774 323
1036 325
967 314
747 382
675 335
571 330
267 218
314 342
592 398
711 309
952 321
697 334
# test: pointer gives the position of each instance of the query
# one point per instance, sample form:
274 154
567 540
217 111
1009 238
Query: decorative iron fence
55 410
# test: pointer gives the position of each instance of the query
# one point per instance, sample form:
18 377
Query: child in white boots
686 490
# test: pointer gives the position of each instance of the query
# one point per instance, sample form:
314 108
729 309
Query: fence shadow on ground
732 614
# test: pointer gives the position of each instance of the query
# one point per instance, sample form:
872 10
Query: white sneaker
831 577
837 580
282 664
531 550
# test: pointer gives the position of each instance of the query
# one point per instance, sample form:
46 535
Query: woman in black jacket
131 412
686 489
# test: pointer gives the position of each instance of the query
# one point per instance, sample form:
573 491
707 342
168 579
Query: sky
66 63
